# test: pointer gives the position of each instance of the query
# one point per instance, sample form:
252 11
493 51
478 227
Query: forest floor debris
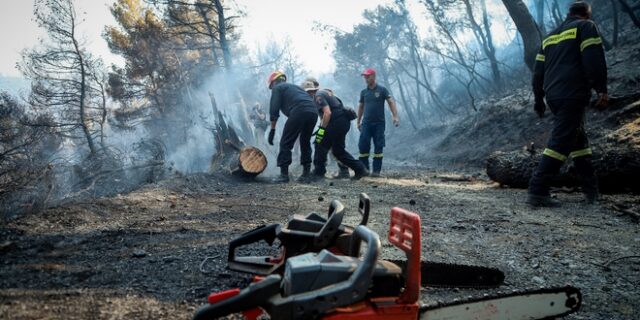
156 253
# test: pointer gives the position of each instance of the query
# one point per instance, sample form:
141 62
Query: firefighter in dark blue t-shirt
371 121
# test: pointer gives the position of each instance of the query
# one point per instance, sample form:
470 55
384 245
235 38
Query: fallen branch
634 215
618 259
205 261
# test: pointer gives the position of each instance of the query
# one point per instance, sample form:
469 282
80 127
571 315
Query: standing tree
63 73
527 27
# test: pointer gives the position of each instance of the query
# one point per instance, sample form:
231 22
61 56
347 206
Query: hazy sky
277 19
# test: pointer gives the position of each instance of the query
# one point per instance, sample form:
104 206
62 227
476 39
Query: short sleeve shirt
373 100
327 98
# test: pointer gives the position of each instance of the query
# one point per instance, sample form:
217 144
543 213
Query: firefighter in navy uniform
300 110
334 126
371 122
570 64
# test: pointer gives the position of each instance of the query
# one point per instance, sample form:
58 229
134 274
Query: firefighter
371 122
343 171
335 122
300 110
570 64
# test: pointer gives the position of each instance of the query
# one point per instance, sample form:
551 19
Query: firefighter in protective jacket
570 64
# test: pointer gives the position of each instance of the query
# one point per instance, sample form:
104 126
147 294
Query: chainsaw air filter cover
311 271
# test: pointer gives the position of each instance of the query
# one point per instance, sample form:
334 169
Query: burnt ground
157 252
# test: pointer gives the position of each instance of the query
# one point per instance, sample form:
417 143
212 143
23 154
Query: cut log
250 163
618 169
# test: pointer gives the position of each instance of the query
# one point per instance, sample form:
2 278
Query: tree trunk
249 163
483 36
222 30
618 169
83 86
527 27
616 23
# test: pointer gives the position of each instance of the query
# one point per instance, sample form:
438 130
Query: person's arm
594 62
537 82
326 116
274 106
392 107
360 110
394 111
323 106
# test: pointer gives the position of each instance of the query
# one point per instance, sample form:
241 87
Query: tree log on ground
618 169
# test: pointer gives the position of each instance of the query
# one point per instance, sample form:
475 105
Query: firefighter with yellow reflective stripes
570 64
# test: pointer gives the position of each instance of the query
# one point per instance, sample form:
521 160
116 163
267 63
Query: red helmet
275 76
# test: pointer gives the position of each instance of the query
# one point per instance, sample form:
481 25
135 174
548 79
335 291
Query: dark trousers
298 125
568 139
369 131
334 140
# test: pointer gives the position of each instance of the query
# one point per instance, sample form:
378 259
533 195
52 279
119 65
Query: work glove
540 107
319 135
602 102
272 134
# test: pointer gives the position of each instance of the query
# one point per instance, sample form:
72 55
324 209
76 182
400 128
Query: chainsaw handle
309 305
364 207
266 233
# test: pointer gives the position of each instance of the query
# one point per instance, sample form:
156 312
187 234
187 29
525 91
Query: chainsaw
325 285
313 233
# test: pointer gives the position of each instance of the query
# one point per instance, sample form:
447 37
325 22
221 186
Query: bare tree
61 71
484 38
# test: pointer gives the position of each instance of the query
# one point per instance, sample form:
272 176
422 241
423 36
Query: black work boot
542 201
305 177
361 174
343 174
283 177
375 174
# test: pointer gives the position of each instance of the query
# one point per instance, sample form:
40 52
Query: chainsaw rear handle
321 239
266 233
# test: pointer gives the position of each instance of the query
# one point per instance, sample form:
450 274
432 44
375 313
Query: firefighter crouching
300 110
334 125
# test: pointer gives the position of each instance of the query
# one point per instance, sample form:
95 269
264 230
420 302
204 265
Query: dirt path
140 255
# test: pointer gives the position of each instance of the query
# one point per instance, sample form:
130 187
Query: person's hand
359 125
272 134
319 135
396 121
603 101
540 107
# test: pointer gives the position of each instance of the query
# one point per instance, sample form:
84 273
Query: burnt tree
231 154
